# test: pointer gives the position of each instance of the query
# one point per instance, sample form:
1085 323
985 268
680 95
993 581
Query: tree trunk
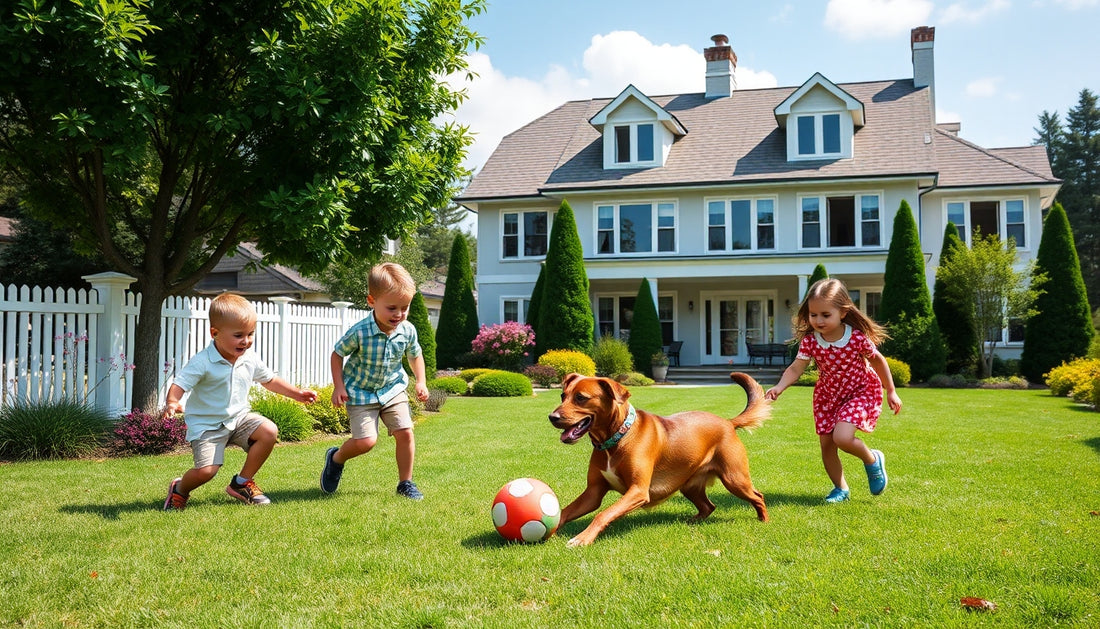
147 363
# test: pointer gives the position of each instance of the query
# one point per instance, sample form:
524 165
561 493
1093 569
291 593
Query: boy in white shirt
218 413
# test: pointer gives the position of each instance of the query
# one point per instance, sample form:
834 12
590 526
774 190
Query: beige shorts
363 418
209 448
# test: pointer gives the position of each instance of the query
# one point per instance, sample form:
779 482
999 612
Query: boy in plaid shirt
367 376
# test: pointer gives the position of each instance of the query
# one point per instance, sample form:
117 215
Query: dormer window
634 144
637 132
820 120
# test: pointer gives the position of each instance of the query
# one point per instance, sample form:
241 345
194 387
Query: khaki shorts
209 448
363 418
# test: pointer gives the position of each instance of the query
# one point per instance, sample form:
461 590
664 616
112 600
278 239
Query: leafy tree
39 255
533 307
418 316
983 280
565 316
955 322
347 280
1061 329
458 326
163 134
435 238
906 308
645 329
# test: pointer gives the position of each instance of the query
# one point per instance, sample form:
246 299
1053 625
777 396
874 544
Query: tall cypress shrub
1062 328
565 316
956 324
906 305
819 274
418 316
458 314
645 329
533 307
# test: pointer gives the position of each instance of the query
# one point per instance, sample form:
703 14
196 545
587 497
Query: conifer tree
533 307
565 315
956 325
458 314
906 308
645 329
819 274
418 316
1061 329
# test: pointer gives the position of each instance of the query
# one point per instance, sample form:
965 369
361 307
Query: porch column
803 286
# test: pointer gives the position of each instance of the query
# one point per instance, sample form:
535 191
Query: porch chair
674 353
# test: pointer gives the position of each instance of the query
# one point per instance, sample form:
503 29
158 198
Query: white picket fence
75 344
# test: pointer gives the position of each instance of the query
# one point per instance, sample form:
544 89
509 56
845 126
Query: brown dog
647 458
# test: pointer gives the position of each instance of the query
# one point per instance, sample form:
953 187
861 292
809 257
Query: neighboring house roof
7 227
736 139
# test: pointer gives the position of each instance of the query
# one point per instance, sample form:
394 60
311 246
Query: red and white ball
526 510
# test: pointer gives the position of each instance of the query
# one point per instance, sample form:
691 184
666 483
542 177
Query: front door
729 322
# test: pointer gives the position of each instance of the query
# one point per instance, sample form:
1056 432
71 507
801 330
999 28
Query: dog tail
757 409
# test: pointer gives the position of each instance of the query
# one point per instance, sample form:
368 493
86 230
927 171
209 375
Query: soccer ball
526 510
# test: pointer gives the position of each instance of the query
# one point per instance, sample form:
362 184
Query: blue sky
998 63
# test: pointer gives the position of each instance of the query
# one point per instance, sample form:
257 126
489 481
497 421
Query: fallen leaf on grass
716 553
94 574
1094 512
977 604
836 610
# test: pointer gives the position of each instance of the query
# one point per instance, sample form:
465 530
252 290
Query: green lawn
992 494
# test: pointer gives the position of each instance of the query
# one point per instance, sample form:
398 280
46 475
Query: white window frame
823 221
655 216
844 136
611 141
522 303
1002 217
617 325
521 237
863 291
754 223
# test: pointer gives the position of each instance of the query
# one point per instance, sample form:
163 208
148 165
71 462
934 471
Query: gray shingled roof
737 140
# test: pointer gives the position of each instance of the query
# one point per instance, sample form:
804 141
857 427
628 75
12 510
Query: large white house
727 200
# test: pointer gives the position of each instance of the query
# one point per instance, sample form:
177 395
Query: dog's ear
614 390
567 381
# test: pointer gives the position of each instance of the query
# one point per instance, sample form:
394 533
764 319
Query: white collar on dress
840 342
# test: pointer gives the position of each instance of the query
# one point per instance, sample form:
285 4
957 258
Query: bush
436 399
326 417
1095 398
1074 378
612 357
453 385
899 371
51 430
809 376
543 375
469 375
917 342
634 379
290 416
138 432
1005 367
504 345
568 361
954 381
1004 382
502 384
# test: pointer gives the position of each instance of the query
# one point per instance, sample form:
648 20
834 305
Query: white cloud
871 19
962 12
983 88
1073 5
498 104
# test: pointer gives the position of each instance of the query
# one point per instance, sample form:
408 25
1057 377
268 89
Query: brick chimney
721 64
922 39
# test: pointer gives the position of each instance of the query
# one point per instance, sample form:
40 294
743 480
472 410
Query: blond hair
228 308
390 278
836 294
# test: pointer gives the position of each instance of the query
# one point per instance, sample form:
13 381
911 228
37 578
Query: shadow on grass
114 511
1093 443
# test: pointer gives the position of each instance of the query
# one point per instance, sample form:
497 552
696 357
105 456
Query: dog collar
610 443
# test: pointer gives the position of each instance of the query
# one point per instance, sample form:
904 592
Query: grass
992 494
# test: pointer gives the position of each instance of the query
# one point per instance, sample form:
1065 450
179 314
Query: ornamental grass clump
62 429
504 345
138 432
294 423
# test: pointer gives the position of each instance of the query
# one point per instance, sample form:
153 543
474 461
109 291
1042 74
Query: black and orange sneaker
248 493
175 500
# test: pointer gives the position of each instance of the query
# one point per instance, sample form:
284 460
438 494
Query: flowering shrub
139 432
504 345
542 375
568 361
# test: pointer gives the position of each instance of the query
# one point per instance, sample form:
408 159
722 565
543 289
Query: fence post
342 312
110 332
283 365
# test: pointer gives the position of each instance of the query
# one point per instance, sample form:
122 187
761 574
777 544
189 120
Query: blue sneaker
837 495
876 473
408 489
330 475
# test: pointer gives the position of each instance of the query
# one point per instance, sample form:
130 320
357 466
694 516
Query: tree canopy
162 134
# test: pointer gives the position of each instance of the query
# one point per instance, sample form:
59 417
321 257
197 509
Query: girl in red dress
833 332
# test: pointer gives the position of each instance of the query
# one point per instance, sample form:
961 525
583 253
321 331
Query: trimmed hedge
568 361
502 384
453 385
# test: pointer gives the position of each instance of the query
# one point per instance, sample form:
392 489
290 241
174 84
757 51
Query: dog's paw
577 541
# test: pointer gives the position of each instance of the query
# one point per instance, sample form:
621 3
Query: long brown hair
835 293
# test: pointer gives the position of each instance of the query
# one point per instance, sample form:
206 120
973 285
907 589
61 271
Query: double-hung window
636 228
525 234
842 221
1005 218
634 144
818 135
740 224
515 309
